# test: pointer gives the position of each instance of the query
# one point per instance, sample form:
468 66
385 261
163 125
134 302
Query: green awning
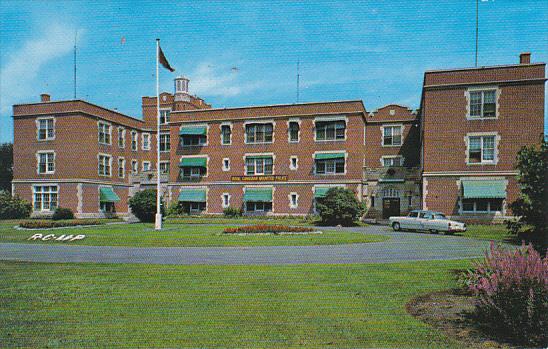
326 156
193 131
484 189
192 195
258 194
193 162
106 194
320 192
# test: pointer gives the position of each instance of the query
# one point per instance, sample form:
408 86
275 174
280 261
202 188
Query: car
431 221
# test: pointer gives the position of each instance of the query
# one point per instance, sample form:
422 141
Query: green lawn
496 232
306 306
310 221
177 235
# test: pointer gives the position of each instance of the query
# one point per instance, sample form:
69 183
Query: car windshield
439 216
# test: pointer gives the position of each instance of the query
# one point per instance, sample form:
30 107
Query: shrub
62 213
143 205
232 212
13 207
174 209
44 224
339 206
262 228
511 289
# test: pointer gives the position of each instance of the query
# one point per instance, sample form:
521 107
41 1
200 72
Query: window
164 167
259 165
121 167
46 130
481 149
46 162
193 173
146 141
45 197
392 161
107 207
252 206
259 133
391 135
483 104
165 142
134 140
104 165
191 141
481 205
390 193
164 116
104 133
226 164
226 200
146 165
413 214
330 166
293 200
226 134
121 137
293 163
293 131
330 130
134 166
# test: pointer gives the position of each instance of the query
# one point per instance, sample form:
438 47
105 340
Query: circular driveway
402 246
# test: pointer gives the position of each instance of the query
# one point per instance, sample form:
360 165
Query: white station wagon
431 221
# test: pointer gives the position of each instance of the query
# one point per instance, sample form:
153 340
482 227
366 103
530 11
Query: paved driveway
402 246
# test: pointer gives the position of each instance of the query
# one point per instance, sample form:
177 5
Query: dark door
390 207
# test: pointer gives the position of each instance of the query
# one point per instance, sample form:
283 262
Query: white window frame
34 192
291 204
168 110
108 125
298 122
149 166
104 174
164 163
482 89
291 167
224 124
48 137
489 211
261 122
392 126
38 156
134 166
259 155
121 161
330 119
121 136
392 157
134 141
163 135
226 161
146 145
228 197
334 173
495 150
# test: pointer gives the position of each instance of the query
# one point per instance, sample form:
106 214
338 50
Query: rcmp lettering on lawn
53 237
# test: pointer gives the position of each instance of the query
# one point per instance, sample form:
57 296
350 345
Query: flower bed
45 224
268 229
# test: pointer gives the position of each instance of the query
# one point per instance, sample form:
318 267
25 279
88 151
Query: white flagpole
158 223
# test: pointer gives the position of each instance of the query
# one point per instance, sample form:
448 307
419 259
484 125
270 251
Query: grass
496 232
306 221
179 235
146 306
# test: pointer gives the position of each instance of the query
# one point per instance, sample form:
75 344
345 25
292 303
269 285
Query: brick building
278 159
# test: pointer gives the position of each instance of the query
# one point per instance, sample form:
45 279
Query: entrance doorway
390 207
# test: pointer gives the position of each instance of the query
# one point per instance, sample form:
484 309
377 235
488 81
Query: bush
62 213
174 209
262 229
13 207
143 205
44 224
232 212
339 206
511 289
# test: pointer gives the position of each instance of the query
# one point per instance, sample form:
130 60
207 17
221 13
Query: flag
163 60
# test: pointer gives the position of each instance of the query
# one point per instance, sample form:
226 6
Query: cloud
221 81
17 76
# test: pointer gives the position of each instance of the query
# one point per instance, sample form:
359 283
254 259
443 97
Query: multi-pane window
191 141
482 205
392 161
146 165
481 149
391 135
226 134
46 162
104 165
121 137
121 167
330 166
483 104
134 140
146 141
164 116
46 129
193 173
45 197
259 165
252 206
259 133
104 133
164 167
330 130
293 131
165 142
134 166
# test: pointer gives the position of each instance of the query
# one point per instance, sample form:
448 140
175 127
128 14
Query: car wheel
396 226
433 231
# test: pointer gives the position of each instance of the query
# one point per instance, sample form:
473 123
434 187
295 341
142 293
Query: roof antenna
298 78
75 36
477 30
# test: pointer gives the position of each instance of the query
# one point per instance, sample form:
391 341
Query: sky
241 53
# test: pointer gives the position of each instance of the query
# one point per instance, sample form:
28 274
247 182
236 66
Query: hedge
273 229
44 224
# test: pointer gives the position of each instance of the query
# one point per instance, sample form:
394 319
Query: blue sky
376 51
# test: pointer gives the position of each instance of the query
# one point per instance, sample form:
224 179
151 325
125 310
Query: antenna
477 30
75 37
298 79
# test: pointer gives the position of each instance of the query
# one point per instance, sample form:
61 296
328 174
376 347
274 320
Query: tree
531 208
339 206
143 205
6 166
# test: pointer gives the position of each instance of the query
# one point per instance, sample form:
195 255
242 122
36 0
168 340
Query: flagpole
158 223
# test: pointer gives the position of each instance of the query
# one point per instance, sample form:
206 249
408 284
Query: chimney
525 58
44 97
